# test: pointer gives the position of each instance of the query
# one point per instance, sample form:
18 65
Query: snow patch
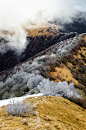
7 101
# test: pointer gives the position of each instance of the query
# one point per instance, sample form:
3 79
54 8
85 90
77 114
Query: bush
18 108
52 88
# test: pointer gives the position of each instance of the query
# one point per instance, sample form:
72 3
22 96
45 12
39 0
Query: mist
17 16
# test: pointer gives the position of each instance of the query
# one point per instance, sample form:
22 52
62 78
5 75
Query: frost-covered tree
48 87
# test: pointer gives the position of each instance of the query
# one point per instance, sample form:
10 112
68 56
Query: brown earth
53 113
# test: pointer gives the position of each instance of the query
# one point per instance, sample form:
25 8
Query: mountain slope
53 113
33 75
72 67
38 39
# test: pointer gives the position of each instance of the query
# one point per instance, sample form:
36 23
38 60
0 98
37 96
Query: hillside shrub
58 89
18 108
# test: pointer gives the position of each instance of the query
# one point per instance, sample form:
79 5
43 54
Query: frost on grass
19 108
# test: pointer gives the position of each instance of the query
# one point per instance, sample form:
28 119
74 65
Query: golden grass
63 74
53 113
35 29
40 31
85 38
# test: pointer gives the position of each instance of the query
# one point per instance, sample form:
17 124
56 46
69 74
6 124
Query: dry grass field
52 113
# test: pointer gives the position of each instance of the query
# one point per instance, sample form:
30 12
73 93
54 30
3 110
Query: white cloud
17 15
16 12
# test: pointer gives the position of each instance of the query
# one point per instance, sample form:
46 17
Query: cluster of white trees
52 88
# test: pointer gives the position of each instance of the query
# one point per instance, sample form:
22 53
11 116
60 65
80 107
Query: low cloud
17 16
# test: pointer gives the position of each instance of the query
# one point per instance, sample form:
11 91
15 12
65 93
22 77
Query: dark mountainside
36 45
78 23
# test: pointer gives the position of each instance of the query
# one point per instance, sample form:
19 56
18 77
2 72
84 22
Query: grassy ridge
53 113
